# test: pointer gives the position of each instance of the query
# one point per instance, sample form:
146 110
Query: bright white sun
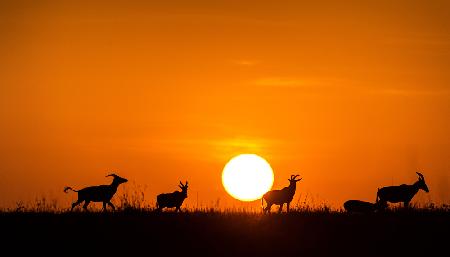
247 177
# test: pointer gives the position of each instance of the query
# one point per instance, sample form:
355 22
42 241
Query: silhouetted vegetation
310 228
43 228
321 232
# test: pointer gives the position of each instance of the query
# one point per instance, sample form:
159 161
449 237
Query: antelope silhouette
403 193
174 199
363 207
102 193
280 197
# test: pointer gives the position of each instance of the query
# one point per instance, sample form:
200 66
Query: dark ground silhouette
400 233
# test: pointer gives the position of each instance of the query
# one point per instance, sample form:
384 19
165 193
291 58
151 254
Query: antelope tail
66 189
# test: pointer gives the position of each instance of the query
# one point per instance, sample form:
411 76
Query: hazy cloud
245 62
279 81
294 82
411 92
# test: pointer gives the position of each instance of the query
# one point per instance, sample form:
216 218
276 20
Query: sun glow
247 177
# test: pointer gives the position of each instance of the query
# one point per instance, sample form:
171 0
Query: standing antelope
102 193
174 199
403 193
280 197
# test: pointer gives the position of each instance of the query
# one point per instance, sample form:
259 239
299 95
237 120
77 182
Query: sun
247 177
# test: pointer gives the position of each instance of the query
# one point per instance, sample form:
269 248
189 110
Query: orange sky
353 96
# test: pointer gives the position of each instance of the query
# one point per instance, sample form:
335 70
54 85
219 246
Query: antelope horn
111 175
185 184
420 175
181 183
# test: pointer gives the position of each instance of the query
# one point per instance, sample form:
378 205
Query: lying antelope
280 197
403 193
363 207
102 193
174 199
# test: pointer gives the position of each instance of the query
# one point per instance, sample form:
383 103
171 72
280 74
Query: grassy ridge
208 233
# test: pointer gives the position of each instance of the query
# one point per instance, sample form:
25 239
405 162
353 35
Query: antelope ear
180 187
181 184
185 184
298 179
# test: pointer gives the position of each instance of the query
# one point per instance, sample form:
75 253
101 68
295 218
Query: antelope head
117 180
421 182
184 187
293 180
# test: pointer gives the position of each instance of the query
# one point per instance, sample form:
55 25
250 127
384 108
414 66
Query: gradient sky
352 95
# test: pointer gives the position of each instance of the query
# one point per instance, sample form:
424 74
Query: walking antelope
403 193
102 193
174 199
280 197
